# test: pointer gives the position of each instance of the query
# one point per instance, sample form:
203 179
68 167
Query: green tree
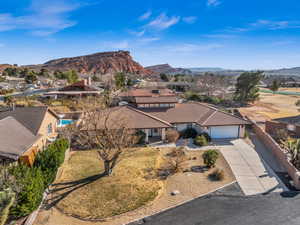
31 77
71 76
95 78
43 72
275 86
247 86
164 77
120 80
58 74
9 100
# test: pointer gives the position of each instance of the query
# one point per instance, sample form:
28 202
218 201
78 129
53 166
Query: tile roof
16 139
192 112
161 99
133 118
30 117
147 92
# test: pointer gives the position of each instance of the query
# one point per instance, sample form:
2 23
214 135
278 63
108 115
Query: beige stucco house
25 131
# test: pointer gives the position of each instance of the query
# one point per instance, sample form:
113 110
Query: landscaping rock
176 192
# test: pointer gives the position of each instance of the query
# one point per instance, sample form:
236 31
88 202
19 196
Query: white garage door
224 132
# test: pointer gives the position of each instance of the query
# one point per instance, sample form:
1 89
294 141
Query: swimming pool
65 122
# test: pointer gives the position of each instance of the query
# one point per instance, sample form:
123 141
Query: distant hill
98 63
4 66
167 69
205 69
284 72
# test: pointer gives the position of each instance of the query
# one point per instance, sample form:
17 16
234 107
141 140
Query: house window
49 128
291 127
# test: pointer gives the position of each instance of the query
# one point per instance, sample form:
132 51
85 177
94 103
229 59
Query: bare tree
209 83
175 159
105 130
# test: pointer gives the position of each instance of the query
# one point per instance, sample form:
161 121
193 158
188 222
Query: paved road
253 174
216 209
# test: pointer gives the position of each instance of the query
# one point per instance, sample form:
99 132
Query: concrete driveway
253 174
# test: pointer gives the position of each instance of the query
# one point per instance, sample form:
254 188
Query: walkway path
253 174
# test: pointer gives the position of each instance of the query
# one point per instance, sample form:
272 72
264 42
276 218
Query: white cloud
190 19
188 48
282 43
145 16
163 22
137 33
275 25
149 39
213 2
43 18
221 36
266 24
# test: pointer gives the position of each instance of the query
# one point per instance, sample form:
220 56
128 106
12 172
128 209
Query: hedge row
32 182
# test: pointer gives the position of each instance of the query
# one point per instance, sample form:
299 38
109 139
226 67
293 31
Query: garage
224 131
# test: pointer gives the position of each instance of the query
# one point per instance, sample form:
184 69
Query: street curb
144 219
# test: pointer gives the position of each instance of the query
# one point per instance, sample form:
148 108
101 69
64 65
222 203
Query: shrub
50 159
172 136
210 158
217 175
206 135
200 140
32 187
141 136
189 133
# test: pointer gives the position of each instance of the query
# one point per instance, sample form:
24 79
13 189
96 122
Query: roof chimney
89 81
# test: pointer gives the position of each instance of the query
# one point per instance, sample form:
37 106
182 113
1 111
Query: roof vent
156 91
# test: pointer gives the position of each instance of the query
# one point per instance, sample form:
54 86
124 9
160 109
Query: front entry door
154 132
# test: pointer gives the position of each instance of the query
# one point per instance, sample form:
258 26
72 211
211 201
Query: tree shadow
67 188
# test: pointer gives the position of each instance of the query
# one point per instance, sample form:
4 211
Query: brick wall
272 145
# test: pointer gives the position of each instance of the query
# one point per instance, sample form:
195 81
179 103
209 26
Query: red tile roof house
79 89
156 110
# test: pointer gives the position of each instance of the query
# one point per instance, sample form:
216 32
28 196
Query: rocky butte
98 63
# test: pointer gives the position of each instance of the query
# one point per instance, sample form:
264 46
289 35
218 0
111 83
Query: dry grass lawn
126 189
272 106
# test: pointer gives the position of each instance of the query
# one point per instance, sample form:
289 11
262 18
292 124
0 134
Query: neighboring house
291 125
81 88
150 97
161 106
27 130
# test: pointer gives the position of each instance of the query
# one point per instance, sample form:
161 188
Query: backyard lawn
133 189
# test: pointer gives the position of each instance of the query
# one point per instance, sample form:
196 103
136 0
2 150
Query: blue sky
234 34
